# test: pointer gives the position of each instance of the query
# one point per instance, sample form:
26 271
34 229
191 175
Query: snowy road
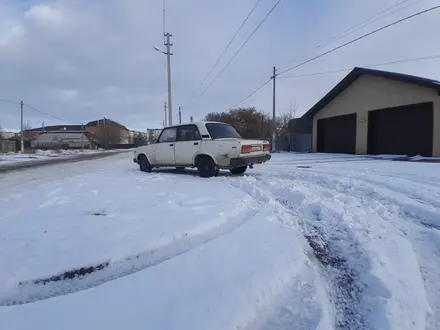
302 242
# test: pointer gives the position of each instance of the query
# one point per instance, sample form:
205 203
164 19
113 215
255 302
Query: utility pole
82 136
165 109
274 125
22 126
168 53
180 115
105 135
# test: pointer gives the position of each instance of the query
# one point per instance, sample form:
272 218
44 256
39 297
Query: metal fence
294 143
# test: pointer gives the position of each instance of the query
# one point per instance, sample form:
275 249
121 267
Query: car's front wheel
238 170
206 167
144 164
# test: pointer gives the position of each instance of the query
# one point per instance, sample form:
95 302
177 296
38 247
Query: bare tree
284 119
27 126
139 139
251 123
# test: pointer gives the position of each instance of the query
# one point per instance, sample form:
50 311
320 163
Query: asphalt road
15 166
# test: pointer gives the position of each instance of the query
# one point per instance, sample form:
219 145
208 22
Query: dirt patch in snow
99 214
346 291
430 225
68 275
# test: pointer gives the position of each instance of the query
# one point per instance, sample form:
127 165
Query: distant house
109 132
32 133
98 133
63 140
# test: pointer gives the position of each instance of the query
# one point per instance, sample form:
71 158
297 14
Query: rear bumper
244 161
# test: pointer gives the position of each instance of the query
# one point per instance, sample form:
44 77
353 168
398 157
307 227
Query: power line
362 24
365 66
11 102
341 46
359 38
251 94
242 46
45 113
35 109
226 48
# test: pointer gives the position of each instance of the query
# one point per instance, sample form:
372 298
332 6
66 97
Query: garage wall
370 93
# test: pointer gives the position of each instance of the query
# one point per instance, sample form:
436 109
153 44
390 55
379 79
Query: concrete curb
15 166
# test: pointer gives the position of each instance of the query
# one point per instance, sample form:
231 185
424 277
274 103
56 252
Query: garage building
378 112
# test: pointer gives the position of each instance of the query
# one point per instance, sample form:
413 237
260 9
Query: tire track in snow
417 223
424 210
344 287
396 213
394 186
94 275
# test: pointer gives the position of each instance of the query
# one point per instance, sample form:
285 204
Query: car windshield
222 131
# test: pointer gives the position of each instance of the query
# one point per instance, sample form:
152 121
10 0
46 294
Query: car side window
189 133
168 135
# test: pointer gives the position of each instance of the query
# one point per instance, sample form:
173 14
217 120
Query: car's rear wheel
206 167
144 164
238 170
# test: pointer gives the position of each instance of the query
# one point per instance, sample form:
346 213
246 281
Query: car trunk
251 148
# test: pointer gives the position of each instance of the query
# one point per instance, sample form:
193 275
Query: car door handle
171 144
196 143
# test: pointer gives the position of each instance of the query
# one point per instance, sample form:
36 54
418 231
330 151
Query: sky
81 60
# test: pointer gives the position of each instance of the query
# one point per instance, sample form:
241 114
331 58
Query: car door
164 148
187 144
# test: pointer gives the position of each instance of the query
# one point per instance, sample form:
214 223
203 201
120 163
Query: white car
207 146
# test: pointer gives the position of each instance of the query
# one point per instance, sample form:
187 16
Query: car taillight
246 149
266 147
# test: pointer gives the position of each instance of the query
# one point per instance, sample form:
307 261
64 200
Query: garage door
406 130
337 134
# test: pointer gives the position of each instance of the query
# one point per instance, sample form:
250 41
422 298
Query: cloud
45 14
82 60
68 95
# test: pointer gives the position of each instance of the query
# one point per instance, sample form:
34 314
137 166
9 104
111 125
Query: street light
159 50
168 53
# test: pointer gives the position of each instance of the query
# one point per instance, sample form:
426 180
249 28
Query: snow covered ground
306 241
7 158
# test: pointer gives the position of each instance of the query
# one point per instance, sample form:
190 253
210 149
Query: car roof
197 123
